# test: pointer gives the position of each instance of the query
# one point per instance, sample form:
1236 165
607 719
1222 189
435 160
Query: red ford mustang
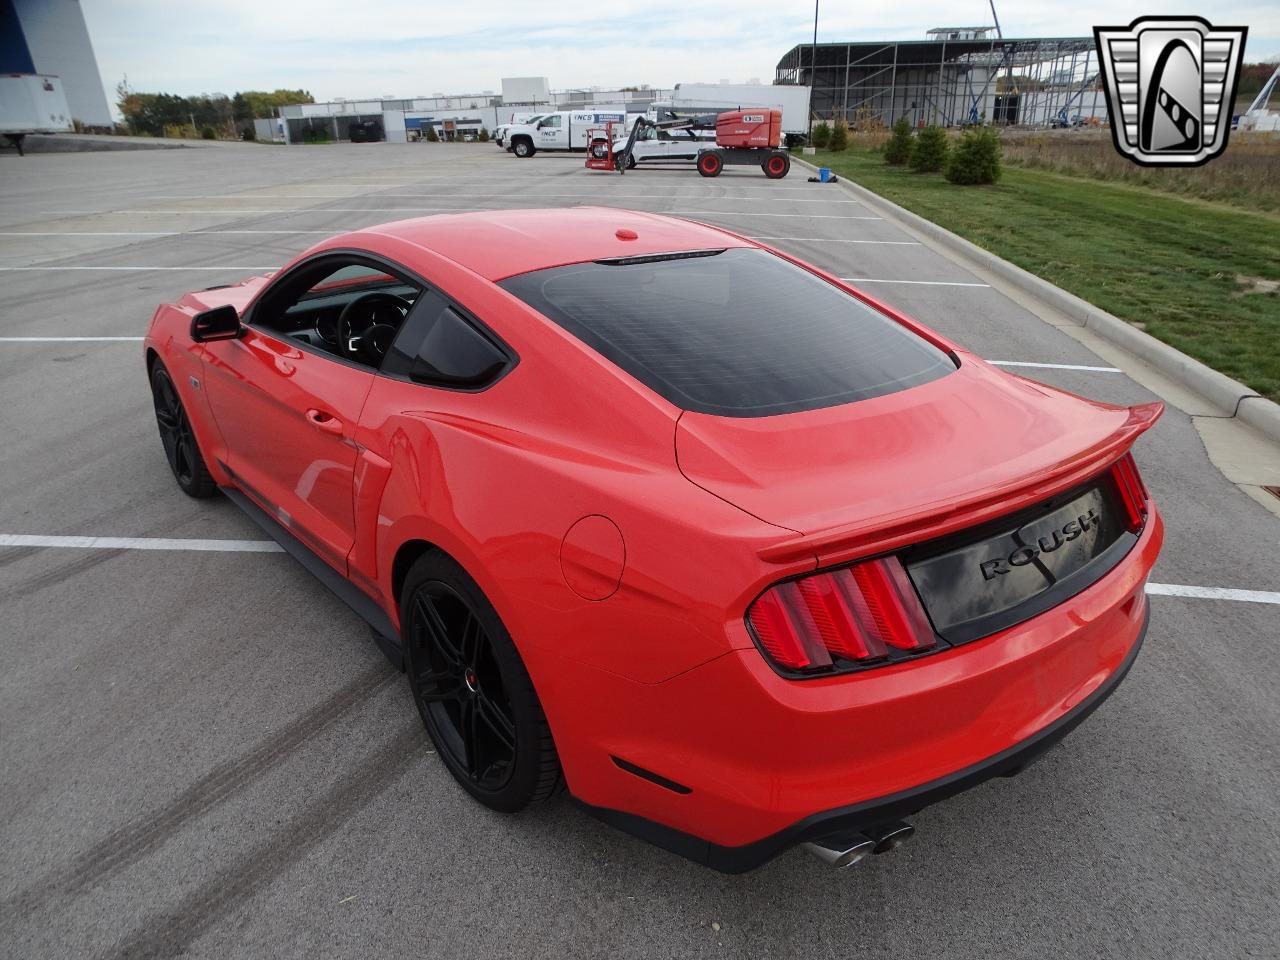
741 556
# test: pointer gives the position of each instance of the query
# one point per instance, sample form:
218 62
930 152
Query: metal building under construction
958 75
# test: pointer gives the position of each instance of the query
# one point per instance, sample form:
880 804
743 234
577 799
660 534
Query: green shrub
483 135
206 133
930 153
839 136
250 133
432 136
898 150
821 134
976 158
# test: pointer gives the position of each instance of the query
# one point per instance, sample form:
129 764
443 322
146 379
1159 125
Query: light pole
813 68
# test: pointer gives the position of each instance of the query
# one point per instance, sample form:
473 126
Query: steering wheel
368 324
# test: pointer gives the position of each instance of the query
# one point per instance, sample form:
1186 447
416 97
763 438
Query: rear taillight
1132 491
856 616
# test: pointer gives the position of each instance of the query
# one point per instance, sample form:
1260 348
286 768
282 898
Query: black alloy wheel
472 690
458 684
177 437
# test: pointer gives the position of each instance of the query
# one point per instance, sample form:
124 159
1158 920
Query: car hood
884 472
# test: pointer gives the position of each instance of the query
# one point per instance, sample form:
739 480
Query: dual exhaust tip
843 850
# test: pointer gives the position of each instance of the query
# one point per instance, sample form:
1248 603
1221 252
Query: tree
432 136
821 134
483 135
839 136
152 113
898 150
976 158
263 103
931 149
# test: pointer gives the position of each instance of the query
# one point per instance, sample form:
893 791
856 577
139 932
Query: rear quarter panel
497 478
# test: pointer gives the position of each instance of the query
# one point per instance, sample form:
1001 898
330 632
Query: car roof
497 244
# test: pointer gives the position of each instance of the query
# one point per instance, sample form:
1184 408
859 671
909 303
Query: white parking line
65 339
270 546
1212 593
753 213
264 211
140 543
490 196
148 233
922 283
1054 366
64 269
819 239
280 211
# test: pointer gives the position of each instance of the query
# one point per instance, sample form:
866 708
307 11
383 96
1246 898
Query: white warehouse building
453 117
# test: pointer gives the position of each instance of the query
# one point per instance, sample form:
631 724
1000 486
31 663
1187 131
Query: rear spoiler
893 531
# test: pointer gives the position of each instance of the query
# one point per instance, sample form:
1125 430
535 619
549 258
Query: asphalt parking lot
201 751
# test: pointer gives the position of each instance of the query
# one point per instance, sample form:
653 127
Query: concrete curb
1233 398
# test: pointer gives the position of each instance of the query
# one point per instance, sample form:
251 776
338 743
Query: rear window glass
738 333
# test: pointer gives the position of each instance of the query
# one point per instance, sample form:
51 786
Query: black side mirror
220 323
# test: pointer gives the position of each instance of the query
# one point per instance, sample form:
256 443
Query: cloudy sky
406 48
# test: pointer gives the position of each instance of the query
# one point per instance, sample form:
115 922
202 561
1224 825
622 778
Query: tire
472 690
523 148
710 164
776 166
179 440
631 162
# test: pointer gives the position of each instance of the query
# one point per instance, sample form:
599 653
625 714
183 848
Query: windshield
740 333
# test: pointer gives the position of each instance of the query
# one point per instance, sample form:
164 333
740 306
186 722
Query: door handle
324 422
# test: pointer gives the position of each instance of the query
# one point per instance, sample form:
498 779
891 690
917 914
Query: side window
342 305
440 347
550 123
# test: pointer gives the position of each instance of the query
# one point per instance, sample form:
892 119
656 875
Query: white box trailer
561 130
32 103
693 98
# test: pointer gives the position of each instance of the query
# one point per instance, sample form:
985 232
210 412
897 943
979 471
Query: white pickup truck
561 130
517 119
32 103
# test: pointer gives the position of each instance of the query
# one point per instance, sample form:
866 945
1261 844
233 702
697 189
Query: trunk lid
895 470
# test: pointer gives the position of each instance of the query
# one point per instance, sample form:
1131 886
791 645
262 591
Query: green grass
1175 268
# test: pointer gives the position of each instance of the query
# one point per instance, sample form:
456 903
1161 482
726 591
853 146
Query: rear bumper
728 763
861 816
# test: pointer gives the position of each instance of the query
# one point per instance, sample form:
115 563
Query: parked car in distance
365 131
666 145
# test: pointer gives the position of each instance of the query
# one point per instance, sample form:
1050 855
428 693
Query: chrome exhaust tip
888 836
841 851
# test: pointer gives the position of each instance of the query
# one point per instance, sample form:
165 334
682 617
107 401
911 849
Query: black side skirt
870 813
384 632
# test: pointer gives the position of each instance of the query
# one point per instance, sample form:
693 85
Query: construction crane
743 137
